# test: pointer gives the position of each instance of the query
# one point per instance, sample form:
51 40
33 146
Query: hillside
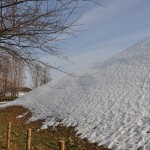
109 103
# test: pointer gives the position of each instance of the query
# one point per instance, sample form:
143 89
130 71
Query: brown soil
47 139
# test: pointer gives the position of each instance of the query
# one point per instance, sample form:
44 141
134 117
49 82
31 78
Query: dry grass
47 139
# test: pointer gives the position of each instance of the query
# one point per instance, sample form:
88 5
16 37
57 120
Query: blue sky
104 32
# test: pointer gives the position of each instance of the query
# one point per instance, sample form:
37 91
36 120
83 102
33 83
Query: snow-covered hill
109 103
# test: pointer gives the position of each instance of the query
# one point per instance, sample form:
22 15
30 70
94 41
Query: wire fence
28 140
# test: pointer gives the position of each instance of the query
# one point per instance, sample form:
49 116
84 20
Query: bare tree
41 75
4 74
29 29
36 76
11 76
46 75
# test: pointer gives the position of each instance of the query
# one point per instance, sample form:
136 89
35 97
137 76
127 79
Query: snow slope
109 103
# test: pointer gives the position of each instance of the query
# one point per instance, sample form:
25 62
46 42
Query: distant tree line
41 75
11 76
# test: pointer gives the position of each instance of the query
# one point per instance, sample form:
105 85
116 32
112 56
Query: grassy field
47 139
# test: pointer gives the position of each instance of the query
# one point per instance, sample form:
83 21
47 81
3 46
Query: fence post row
28 144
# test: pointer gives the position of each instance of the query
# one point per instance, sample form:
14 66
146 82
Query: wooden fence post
8 136
28 146
62 145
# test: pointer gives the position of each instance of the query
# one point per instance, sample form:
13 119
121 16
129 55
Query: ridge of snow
109 103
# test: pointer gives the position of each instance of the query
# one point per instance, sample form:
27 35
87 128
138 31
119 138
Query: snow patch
109 103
